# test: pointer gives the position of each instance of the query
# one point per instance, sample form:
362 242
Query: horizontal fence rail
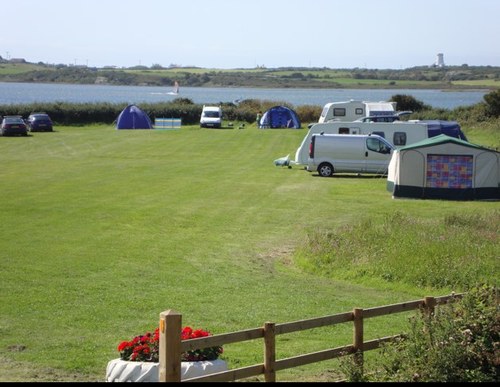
171 346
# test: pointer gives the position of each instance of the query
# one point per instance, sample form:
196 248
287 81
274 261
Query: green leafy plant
146 347
458 342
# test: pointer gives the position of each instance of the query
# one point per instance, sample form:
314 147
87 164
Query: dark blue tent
450 128
279 117
133 118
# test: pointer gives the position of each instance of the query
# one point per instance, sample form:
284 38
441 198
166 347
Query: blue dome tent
133 118
279 117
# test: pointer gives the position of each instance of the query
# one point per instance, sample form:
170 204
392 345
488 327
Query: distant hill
451 77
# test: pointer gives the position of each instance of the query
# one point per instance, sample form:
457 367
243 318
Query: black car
13 125
39 122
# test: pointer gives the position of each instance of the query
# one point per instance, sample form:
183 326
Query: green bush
308 113
408 102
459 342
63 113
493 101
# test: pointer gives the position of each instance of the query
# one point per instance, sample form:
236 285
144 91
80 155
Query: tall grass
453 252
103 229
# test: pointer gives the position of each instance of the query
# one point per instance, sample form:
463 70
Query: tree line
283 77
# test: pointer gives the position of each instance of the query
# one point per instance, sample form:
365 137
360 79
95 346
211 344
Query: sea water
27 93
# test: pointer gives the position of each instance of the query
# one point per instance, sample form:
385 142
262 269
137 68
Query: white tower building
439 60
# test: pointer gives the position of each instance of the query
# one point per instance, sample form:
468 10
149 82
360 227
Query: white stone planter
119 370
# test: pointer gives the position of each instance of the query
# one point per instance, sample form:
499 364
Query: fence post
428 312
170 346
269 352
358 338
429 305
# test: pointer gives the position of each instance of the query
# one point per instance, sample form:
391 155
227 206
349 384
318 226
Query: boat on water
176 89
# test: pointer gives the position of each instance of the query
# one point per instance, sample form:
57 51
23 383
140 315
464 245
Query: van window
375 145
211 113
381 134
399 138
343 130
339 112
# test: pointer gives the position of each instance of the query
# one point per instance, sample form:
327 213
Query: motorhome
348 153
353 110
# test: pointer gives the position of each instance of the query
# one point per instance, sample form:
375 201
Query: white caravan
353 110
346 153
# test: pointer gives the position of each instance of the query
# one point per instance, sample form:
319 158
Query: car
13 125
39 122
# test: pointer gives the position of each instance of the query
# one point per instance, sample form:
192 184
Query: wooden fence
171 346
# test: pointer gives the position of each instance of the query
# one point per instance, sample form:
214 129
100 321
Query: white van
211 117
349 153
398 133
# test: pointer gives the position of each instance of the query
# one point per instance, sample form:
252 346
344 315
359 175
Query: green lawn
104 229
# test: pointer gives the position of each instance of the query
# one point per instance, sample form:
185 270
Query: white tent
444 167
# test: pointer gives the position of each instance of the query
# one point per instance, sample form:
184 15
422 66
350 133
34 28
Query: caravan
353 110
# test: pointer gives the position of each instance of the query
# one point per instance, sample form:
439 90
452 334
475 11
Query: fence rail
171 345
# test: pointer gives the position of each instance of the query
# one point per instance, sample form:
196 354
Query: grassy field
104 229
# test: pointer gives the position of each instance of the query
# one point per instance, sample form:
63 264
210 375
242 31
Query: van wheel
325 170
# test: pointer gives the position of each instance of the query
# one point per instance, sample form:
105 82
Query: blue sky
376 34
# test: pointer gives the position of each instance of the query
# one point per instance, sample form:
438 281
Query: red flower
146 347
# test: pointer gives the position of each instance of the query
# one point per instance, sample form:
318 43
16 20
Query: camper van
353 110
344 153
398 133
211 117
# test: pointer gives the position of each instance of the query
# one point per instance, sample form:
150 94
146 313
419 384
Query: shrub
408 102
493 101
459 342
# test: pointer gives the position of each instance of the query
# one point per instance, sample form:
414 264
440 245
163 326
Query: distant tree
493 101
184 101
408 102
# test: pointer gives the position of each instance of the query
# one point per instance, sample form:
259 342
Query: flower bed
146 347
139 358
